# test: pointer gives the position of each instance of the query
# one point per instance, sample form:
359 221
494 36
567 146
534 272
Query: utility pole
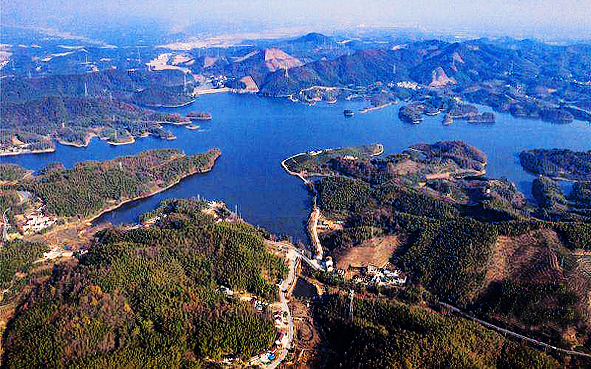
351 296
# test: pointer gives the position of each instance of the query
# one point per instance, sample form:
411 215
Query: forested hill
385 333
90 187
438 63
469 240
150 297
46 115
559 163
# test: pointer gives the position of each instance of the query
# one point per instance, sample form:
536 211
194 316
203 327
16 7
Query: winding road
5 225
286 286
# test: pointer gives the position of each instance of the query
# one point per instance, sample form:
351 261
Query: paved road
292 256
5 225
313 230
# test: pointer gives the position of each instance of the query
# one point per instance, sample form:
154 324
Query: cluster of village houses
282 339
35 221
380 276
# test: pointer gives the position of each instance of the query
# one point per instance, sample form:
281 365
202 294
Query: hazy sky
512 17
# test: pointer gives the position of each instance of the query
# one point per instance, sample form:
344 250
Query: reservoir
256 133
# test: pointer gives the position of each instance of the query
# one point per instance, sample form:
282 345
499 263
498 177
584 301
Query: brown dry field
376 251
529 257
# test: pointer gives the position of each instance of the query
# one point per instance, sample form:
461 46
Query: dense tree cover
120 84
562 163
451 258
17 256
411 201
161 96
450 232
90 186
532 303
149 297
9 199
72 118
11 172
345 194
47 114
548 194
414 164
75 135
575 235
316 162
391 334
464 155
581 194
342 194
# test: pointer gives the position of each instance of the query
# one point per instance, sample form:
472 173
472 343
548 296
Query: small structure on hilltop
329 264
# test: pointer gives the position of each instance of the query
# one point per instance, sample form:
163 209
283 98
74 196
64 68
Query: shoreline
296 174
367 110
151 193
122 143
88 221
87 140
169 106
27 151
306 180
214 90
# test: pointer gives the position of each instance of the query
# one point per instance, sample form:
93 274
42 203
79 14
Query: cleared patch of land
375 251
527 258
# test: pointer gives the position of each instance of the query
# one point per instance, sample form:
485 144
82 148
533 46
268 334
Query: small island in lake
198 116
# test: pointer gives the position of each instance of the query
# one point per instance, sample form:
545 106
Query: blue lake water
256 133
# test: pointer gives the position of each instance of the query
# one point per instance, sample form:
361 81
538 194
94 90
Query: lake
256 133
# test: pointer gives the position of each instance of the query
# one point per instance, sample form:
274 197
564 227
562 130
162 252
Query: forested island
150 296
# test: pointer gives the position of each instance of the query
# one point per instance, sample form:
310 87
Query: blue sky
511 17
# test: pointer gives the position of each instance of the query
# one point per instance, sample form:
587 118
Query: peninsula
83 193
558 163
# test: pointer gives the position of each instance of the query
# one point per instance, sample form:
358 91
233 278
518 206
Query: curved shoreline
152 193
88 221
297 174
26 151
132 140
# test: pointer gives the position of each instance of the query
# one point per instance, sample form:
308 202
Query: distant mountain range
523 77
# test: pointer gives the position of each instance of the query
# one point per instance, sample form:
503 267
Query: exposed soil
532 257
305 338
376 251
